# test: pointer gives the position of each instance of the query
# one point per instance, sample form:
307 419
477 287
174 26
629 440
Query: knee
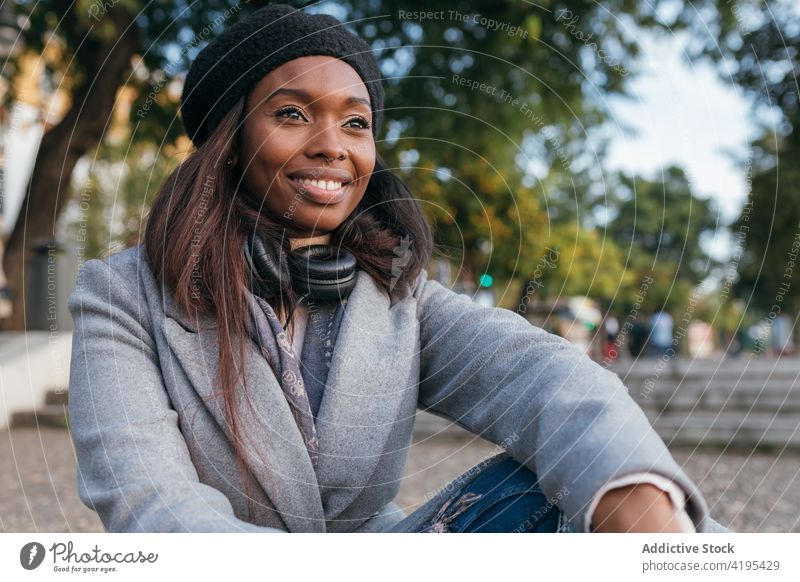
511 476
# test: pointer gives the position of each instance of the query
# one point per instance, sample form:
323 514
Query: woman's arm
638 508
565 417
134 467
667 510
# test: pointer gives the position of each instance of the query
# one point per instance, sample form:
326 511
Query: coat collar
360 405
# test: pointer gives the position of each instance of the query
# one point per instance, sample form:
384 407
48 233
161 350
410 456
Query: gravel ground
755 491
38 483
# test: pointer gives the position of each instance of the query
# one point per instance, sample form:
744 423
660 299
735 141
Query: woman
190 409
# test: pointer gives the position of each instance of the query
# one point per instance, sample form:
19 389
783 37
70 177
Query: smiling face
306 147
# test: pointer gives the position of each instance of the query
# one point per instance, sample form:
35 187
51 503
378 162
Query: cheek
357 198
364 161
265 162
263 144
365 156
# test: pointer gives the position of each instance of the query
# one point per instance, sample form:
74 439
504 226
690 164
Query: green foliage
759 43
666 220
771 258
109 209
480 93
489 107
588 263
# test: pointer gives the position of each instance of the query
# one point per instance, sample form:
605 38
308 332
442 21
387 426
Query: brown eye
290 113
361 122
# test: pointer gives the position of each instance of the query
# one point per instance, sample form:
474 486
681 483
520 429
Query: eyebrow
304 95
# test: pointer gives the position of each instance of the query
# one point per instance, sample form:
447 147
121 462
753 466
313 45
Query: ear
233 154
233 157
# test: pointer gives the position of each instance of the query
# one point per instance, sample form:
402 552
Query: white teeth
325 185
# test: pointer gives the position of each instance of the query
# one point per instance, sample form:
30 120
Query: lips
342 177
321 185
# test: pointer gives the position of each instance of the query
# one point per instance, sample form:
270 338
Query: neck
314 240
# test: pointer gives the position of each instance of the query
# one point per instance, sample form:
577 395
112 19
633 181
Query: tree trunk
104 62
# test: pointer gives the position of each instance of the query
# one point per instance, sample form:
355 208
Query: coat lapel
366 386
367 382
274 449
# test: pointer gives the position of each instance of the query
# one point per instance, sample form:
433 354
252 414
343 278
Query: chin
320 222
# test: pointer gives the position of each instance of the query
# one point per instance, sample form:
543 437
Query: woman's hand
638 508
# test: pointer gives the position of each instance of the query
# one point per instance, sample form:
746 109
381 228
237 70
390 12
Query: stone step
785 367
714 400
731 429
695 428
698 387
51 416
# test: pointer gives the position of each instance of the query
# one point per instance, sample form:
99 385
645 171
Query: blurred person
611 352
661 334
638 338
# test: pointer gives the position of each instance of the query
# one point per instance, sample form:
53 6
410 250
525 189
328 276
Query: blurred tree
580 261
492 87
490 104
120 184
665 219
758 47
99 41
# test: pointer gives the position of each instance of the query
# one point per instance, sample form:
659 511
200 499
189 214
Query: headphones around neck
316 271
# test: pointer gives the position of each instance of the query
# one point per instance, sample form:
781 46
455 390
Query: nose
327 143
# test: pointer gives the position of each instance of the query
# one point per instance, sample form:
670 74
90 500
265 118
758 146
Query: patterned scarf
302 388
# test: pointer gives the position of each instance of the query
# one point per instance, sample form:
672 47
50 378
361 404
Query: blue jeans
497 495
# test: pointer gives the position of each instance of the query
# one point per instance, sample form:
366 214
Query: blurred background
622 173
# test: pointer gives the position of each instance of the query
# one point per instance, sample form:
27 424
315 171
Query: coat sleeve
541 398
134 467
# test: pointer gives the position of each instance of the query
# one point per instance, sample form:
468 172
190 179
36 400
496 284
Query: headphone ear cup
265 274
321 272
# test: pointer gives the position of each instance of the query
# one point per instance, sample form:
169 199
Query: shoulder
124 260
430 293
128 262
419 283
121 280
124 267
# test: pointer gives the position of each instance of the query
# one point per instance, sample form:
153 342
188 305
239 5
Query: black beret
235 61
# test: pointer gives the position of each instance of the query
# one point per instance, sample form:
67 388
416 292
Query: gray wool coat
153 446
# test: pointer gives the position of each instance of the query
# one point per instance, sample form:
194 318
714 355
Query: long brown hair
202 213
